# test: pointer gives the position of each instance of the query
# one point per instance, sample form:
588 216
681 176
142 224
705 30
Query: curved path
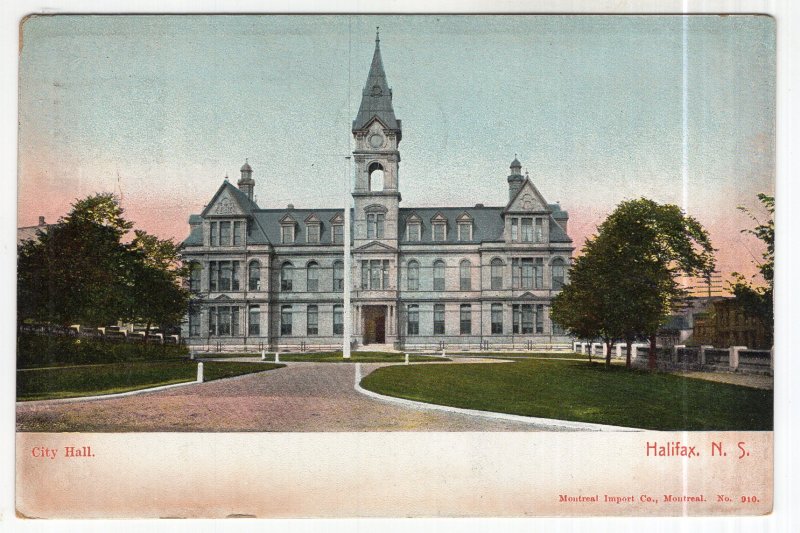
299 397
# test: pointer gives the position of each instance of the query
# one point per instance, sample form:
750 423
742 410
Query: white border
787 13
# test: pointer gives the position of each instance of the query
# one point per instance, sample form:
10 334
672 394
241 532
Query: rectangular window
223 321
213 239
414 232
338 320
515 273
557 329
527 273
515 319
238 233
212 321
286 277
465 276
235 276
539 318
213 274
194 323
338 233
497 319
338 276
438 232
539 235
527 319
523 319
514 229
379 223
438 319
371 225
287 234
385 280
254 321
527 230
312 278
365 274
413 320
225 273
374 274
466 319
539 273
224 233
313 233
465 232
286 320
312 320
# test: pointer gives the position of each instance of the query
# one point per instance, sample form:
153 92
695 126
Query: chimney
41 221
515 179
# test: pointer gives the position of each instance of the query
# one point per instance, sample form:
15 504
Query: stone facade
466 277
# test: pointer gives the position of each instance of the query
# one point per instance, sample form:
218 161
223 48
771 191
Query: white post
605 348
675 352
772 358
199 372
703 349
406 358
733 357
263 355
442 352
277 358
191 355
347 284
619 351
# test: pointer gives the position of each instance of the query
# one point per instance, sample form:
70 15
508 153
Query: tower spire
376 98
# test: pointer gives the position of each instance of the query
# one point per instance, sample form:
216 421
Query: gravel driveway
299 397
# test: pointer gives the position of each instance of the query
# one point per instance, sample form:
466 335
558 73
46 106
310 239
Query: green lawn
529 355
89 380
581 391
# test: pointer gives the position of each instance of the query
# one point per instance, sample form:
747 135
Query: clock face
375 140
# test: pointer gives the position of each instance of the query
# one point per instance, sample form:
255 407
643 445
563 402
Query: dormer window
439 225
287 234
313 229
337 229
539 230
414 232
464 222
527 230
439 231
514 229
288 225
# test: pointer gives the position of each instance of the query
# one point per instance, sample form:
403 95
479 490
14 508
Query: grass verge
91 380
582 391
357 357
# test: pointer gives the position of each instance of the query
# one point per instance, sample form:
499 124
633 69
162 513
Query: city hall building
435 277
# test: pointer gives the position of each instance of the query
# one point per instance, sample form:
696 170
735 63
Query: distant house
725 324
26 233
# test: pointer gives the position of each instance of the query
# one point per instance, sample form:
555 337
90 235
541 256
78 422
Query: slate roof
487 223
376 98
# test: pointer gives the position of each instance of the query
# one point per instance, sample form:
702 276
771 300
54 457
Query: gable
287 219
375 246
225 203
337 219
464 217
414 219
528 199
312 219
438 218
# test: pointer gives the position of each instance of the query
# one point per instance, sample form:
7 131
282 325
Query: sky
599 109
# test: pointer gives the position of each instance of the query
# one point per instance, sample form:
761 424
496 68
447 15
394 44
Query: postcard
350 266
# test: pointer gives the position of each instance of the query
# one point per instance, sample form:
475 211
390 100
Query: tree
626 281
81 270
757 300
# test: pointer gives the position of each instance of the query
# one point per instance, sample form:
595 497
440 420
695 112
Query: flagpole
347 283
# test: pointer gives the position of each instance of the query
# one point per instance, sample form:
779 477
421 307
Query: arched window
497 273
558 269
413 276
465 275
287 271
195 273
254 276
375 177
312 277
338 276
438 275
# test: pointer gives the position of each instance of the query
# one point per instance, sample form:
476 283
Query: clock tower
377 134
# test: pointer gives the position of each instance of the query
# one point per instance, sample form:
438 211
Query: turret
246 183
515 179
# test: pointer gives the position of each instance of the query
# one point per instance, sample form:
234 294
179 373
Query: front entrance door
374 324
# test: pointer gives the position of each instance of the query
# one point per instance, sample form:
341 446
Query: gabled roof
376 98
312 219
528 185
288 219
246 205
